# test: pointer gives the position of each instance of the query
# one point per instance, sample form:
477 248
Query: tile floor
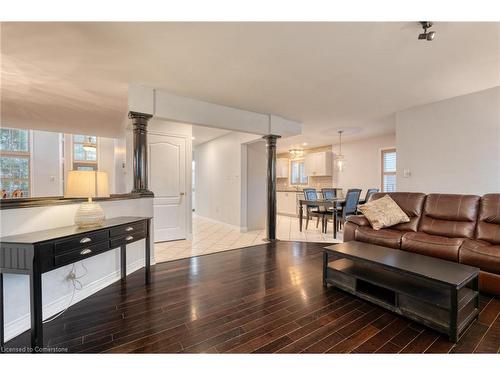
212 237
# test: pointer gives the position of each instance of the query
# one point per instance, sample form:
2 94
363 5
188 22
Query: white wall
451 146
46 176
103 269
106 160
220 165
256 186
363 162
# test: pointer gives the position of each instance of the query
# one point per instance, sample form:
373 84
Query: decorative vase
89 214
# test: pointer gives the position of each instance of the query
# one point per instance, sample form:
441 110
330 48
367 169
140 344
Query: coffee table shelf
447 305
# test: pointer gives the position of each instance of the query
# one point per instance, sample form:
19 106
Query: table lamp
87 184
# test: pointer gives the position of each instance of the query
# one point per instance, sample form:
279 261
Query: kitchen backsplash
317 182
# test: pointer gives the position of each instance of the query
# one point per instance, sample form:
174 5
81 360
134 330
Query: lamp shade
87 184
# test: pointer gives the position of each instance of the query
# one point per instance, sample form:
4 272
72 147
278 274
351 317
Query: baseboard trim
23 323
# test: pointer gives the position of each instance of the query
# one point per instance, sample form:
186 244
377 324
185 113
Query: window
297 175
389 170
84 158
15 161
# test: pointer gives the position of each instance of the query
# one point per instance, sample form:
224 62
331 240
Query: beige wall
221 178
452 146
362 163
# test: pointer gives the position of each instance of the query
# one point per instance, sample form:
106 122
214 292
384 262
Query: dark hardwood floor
263 299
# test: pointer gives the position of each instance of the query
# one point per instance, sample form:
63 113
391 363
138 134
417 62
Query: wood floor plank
423 341
265 299
384 336
490 312
490 343
388 348
334 338
441 346
355 340
470 339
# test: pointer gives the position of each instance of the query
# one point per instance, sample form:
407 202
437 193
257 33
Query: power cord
77 285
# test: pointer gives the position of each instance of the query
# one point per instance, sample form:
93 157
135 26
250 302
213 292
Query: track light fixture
426 35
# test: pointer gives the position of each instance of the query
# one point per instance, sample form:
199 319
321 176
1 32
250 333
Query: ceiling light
304 144
88 145
193 138
295 153
426 35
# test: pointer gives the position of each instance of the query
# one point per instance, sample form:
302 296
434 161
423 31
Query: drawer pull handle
128 238
129 229
85 251
85 240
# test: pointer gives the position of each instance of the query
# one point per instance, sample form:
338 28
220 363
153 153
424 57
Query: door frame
188 194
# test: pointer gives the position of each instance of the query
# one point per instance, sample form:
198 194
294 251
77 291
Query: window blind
389 170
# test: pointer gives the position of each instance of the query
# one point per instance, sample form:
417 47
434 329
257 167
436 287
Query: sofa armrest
359 220
353 222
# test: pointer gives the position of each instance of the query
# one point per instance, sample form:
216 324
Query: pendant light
88 145
339 158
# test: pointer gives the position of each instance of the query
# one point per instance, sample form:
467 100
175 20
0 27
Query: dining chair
348 207
18 193
369 193
311 209
328 193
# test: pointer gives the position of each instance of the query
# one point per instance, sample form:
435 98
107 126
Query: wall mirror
35 163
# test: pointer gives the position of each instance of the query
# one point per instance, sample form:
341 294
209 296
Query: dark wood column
271 186
140 123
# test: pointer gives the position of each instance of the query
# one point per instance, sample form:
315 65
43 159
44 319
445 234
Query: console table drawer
128 229
132 237
80 241
80 254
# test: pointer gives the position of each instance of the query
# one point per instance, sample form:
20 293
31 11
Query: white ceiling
74 76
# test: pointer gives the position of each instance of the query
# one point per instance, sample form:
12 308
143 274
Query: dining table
326 203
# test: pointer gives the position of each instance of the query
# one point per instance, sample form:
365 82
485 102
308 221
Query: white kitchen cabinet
286 203
318 164
282 168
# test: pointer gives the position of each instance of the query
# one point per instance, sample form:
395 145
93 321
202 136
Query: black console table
38 252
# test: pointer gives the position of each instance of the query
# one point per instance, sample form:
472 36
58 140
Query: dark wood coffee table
440 294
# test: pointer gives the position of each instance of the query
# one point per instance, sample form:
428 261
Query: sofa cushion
434 246
383 213
488 226
480 254
450 215
382 237
411 203
360 220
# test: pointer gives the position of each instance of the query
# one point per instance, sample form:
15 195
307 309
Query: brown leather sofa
459 228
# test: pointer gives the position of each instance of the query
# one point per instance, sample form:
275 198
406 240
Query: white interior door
167 180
